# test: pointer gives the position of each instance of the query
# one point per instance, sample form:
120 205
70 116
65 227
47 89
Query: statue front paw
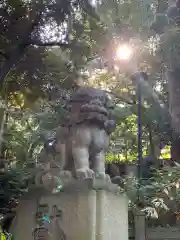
103 176
65 176
84 173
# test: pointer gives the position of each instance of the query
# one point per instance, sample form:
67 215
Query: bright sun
124 52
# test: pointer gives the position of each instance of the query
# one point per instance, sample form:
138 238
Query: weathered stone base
84 210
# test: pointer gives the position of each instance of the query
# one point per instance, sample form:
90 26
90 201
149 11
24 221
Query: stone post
140 225
86 210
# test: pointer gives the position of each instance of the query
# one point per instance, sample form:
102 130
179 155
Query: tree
27 24
173 78
170 37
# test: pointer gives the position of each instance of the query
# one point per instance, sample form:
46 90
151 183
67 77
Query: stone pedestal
84 210
140 225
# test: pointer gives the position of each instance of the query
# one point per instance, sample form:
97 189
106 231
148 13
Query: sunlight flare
124 52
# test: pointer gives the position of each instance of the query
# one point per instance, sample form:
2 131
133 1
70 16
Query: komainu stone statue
83 136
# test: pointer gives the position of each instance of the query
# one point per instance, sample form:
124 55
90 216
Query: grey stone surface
88 210
140 225
76 185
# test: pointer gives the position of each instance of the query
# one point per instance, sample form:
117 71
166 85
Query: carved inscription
40 233
43 215
56 212
42 210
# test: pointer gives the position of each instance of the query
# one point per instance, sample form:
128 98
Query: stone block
84 210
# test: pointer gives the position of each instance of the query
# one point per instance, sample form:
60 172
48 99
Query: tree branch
16 54
4 54
121 98
48 44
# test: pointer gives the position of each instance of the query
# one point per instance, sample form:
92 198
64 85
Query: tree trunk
174 104
173 77
20 48
11 62
3 128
